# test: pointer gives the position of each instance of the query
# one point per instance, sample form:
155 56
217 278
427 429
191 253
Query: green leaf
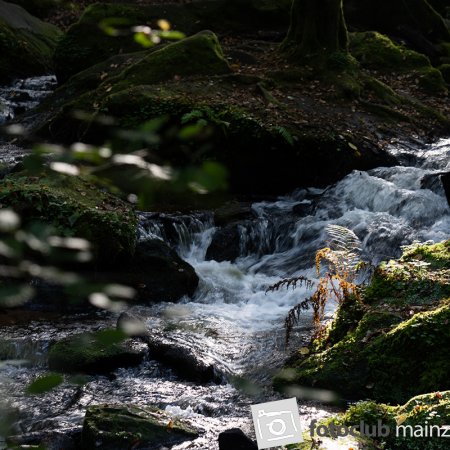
144 40
44 383
172 35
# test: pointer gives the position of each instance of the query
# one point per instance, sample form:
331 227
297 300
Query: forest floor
305 101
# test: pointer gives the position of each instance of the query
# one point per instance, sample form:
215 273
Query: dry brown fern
343 262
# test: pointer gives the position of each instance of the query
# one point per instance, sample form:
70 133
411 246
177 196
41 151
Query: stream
232 320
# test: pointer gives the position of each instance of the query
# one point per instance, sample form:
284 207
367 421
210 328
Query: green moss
76 208
376 51
432 81
419 277
436 255
347 318
117 427
98 352
424 410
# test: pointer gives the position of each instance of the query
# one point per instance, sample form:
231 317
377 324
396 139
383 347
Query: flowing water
232 320
23 95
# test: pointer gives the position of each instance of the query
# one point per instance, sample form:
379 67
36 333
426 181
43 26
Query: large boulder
99 352
26 43
121 427
158 273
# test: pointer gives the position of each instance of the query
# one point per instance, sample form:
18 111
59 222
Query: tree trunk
317 28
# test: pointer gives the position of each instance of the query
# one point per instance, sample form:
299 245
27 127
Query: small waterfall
23 95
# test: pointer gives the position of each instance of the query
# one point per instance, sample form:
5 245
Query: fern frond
192 115
291 282
293 318
342 239
285 134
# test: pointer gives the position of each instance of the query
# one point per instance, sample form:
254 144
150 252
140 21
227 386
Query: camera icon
277 423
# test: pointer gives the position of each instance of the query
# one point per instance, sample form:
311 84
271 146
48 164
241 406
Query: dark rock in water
303 209
439 183
99 352
225 244
121 427
235 439
158 273
445 179
183 359
232 212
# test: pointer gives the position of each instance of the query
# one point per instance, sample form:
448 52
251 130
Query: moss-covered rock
416 425
377 51
118 427
75 207
200 54
387 355
26 43
98 352
417 278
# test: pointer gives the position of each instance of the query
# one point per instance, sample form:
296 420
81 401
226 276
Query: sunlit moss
76 208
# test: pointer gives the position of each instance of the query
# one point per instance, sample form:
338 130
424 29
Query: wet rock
235 439
121 427
26 43
187 362
303 208
158 273
225 244
445 179
233 212
439 183
98 352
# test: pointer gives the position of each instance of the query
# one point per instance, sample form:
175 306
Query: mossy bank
387 347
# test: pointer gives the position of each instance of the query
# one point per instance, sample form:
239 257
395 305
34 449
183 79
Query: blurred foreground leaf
45 383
